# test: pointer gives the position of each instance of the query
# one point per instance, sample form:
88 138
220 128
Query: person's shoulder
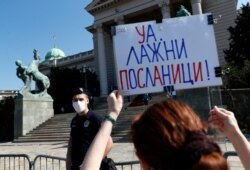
93 115
95 118
75 117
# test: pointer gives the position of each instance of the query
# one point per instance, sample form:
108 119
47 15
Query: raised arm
97 148
108 146
226 122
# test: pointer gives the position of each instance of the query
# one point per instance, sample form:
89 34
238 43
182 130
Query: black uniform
83 131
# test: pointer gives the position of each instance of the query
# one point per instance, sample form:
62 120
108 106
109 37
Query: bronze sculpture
29 73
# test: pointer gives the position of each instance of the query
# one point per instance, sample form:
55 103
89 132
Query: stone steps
55 129
58 127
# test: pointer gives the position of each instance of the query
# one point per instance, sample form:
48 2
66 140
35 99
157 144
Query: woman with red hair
170 136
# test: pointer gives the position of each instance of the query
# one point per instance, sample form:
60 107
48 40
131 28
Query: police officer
84 127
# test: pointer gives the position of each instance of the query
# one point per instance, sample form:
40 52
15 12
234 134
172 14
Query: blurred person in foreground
226 122
167 136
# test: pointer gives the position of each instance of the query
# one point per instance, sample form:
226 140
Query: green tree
238 54
238 62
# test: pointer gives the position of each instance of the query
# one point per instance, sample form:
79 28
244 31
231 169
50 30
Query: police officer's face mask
79 106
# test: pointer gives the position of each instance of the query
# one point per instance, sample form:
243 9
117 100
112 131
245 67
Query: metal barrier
230 153
15 162
234 163
45 162
132 165
42 162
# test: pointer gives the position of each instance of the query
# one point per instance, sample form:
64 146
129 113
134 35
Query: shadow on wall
7 106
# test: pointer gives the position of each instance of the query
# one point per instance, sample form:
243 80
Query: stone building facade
7 93
80 61
108 13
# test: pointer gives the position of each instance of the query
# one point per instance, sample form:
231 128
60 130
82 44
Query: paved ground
120 152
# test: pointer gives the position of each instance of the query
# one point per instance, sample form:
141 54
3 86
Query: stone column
196 7
102 61
165 9
120 21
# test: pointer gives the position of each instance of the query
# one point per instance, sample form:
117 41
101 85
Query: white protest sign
179 52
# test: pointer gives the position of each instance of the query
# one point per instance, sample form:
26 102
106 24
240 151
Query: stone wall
30 113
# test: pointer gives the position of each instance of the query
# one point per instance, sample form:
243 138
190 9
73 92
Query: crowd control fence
46 162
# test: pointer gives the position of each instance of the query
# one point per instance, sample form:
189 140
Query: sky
42 24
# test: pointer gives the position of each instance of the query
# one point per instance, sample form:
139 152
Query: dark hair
79 90
169 135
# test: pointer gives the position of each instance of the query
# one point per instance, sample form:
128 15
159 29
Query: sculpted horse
42 81
31 73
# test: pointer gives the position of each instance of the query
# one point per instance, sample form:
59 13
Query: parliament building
109 13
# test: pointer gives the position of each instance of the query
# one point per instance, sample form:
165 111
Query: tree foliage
64 80
238 54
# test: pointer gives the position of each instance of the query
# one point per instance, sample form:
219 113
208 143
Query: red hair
166 133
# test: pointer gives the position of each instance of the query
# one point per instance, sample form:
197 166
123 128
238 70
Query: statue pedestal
30 112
